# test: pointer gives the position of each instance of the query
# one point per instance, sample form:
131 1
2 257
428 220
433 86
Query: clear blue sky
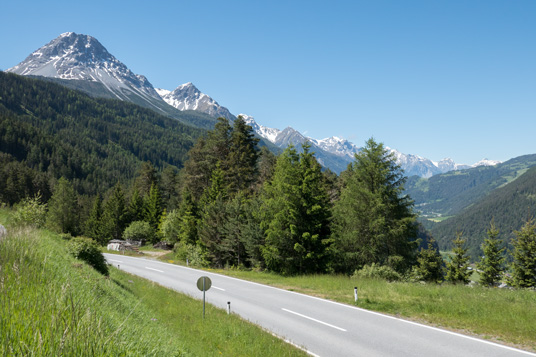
431 78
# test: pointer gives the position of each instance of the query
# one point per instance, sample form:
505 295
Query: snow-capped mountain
188 97
73 56
80 61
336 153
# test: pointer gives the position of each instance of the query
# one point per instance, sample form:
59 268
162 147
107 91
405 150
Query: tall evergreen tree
457 271
153 207
373 221
296 215
524 264
63 208
243 155
211 224
136 207
491 263
93 225
189 218
115 216
147 177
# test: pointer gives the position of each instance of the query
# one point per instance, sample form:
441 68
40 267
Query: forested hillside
509 207
447 194
48 131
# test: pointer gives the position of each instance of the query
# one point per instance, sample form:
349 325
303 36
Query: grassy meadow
501 315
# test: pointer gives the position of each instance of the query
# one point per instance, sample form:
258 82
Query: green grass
52 304
502 315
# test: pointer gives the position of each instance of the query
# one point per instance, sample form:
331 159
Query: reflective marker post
355 293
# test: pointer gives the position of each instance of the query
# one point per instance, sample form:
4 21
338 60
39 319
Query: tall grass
52 304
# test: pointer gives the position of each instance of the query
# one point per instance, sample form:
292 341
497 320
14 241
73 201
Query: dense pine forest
106 169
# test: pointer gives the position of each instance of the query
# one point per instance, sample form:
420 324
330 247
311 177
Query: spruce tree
93 225
295 215
429 265
63 208
457 271
524 264
115 215
491 263
373 220
153 207
243 155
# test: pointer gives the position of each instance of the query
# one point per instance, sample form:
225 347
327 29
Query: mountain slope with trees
509 207
447 194
48 131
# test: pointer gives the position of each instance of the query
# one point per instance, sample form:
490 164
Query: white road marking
215 287
160 271
315 320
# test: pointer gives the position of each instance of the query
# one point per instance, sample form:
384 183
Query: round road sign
204 283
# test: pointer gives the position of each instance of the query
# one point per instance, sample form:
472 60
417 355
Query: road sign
204 283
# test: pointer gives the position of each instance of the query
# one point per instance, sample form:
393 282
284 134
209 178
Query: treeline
48 131
234 204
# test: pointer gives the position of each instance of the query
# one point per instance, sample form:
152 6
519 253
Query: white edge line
312 319
293 344
350 307
215 287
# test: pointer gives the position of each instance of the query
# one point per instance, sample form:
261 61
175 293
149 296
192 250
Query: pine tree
189 218
136 207
63 208
153 207
491 264
524 264
373 221
211 224
457 271
429 264
147 177
243 155
115 216
296 215
93 225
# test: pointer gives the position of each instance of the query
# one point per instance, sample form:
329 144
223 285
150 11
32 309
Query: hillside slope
93 142
447 194
509 207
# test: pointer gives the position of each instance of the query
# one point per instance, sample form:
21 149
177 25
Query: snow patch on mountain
268 133
188 97
81 57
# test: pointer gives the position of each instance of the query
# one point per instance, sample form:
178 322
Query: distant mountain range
81 62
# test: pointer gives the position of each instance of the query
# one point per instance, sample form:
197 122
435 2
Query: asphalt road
322 327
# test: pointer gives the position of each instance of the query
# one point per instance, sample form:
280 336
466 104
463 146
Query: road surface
321 327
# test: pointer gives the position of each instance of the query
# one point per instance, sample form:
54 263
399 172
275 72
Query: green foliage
524 264
88 250
139 231
115 215
153 206
373 220
491 264
63 208
457 271
94 143
170 227
429 265
505 205
295 215
193 254
375 271
30 212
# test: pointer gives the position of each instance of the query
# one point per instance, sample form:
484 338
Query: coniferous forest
106 169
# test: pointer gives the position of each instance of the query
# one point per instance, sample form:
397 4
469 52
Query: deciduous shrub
87 250
139 230
375 271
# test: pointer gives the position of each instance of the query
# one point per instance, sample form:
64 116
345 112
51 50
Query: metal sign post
203 284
